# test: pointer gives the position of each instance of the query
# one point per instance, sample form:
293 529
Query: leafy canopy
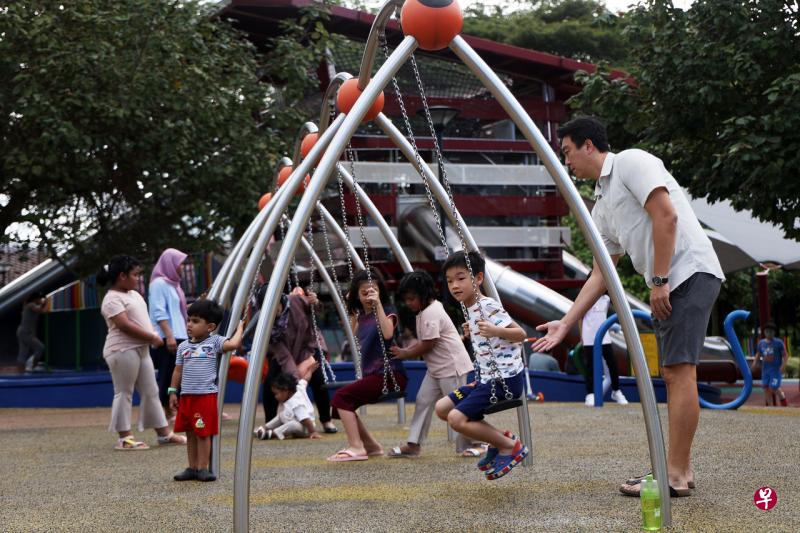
717 96
134 125
578 29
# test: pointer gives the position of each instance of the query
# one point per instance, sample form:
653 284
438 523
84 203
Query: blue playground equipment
597 355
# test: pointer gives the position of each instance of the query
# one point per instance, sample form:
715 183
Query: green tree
133 125
716 96
578 29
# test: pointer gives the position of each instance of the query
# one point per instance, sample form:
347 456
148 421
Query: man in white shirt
641 210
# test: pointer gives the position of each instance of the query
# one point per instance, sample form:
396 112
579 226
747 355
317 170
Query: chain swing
388 373
508 401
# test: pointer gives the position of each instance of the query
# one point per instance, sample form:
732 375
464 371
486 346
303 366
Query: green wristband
171 390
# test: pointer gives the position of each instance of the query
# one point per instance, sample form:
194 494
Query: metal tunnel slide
533 303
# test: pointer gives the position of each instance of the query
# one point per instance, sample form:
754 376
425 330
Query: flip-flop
379 453
398 452
633 490
637 480
345 455
471 453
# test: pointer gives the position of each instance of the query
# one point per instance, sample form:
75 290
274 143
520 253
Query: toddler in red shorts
196 373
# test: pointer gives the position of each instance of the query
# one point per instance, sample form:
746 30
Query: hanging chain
420 165
413 141
494 371
327 368
356 350
387 367
252 294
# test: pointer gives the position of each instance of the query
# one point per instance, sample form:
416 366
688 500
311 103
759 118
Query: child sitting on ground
496 340
196 374
295 416
445 356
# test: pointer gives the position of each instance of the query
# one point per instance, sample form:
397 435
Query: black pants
588 361
164 362
316 384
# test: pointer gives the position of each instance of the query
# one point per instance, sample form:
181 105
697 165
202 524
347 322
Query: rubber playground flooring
61 473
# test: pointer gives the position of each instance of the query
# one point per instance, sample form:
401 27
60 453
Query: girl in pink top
445 355
125 351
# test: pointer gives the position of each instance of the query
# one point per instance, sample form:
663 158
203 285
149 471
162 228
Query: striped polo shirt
199 361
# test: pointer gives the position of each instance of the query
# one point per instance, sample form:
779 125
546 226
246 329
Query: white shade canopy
741 240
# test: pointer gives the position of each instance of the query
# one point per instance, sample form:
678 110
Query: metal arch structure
344 127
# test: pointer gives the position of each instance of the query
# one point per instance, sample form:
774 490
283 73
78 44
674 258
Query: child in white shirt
295 416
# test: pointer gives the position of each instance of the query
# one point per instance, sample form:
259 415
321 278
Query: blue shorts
771 377
474 400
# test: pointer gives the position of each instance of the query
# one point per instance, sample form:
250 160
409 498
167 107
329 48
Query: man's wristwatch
659 281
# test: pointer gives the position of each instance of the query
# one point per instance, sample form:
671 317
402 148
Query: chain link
327 366
495 373
311 269
387 367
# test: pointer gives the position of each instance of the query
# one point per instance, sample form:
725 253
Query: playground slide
533 303
45 277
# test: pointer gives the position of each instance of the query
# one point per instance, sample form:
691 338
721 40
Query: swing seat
333 385
392 395
503 405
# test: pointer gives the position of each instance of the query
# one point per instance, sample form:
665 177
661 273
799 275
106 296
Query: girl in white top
592 321
126 353
445 356
295 416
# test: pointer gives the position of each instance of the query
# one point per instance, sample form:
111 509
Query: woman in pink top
444 353
126 353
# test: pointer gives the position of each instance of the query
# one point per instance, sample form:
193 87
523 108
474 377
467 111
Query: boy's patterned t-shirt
199 361
508 355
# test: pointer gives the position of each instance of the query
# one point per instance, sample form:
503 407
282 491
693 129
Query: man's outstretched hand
556 332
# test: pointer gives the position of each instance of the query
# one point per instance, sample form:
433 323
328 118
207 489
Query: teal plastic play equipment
597 355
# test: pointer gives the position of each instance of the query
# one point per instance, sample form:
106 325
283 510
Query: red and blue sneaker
487 461
503 464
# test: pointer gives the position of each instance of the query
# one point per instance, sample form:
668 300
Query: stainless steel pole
439 193
377 217
337 229
337 299
550 160
371 46
241 482
394 244
268 218
224 364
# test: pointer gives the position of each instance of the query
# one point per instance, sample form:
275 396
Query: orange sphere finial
308 143
433 23
284 174
264 200
349 93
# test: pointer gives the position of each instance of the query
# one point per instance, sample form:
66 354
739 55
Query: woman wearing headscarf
168 315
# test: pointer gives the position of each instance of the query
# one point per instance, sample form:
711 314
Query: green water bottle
651 504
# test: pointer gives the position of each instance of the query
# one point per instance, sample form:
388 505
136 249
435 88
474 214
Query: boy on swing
496 340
